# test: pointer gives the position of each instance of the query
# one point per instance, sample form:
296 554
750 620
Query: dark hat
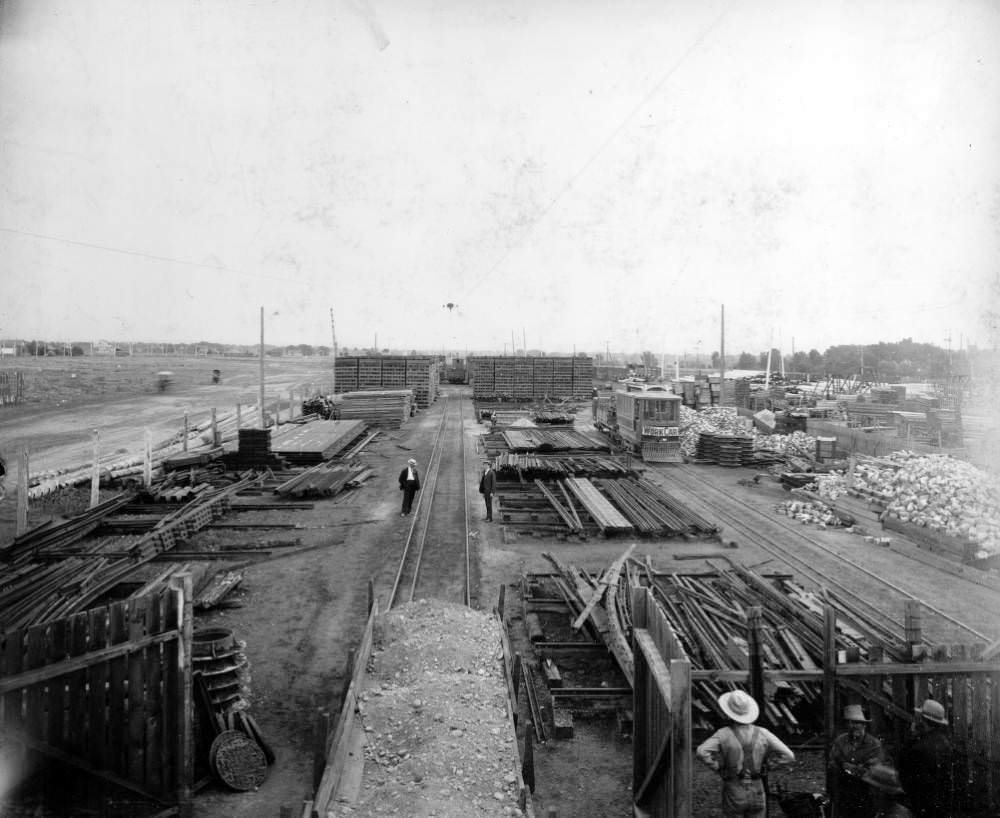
883 777
932 711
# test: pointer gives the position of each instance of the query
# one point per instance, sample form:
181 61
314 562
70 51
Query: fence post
239 415
147 460
184 441
829 691
215 428
22 493
95 471
319 749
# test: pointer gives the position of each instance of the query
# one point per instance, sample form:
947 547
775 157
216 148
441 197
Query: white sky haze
587 173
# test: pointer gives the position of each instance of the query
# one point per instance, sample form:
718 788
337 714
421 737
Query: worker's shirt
865 752
723 751
409 474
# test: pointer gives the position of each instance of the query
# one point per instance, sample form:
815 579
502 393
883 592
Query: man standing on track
487 488
409 484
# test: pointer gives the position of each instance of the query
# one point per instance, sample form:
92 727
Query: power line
602 147
153 257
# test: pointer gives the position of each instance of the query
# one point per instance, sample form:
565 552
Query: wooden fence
662 752
11 386
108 691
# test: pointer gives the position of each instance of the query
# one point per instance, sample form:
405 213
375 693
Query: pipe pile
529 466
653 511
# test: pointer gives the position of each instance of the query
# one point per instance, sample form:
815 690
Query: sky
572 174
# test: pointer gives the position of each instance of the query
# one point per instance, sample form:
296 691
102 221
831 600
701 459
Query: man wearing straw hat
738 754
925 763
409 484
852 754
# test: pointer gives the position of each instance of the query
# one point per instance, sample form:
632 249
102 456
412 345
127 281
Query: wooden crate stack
369 373
543 377
562 376
583 377
524 379
503 378
481 375
423 376
394 373
383 409
345 372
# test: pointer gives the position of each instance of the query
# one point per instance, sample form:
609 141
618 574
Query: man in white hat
738 754
852 754
925 763
409 484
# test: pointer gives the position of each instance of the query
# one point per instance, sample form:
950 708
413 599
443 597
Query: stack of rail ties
709 614
253 452
381 408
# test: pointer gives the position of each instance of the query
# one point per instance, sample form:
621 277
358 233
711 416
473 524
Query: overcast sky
580 174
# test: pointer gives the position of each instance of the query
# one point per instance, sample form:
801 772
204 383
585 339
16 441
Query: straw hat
411 462
853 712
932 711
883 777
739 706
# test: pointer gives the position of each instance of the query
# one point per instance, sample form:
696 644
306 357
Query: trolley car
646 423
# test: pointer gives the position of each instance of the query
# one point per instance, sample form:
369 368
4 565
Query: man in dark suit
487 488
409 484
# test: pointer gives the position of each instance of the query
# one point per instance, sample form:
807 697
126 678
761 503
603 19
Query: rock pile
439 741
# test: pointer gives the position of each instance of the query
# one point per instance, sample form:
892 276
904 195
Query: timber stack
528 379
419 374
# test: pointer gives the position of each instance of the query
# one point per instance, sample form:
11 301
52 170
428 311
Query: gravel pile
439 741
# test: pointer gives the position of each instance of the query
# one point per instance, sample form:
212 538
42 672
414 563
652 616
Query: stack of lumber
383 409
554 418
608 518
552 440
522 379
653 511
310 443
419 374
253 452
530 466
870 414
323 480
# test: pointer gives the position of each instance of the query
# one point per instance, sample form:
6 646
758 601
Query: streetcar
644 422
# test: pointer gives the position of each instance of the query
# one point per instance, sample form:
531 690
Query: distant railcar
646 423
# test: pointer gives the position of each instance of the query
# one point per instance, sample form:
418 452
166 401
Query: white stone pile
808 512
938 492
797 444
714 420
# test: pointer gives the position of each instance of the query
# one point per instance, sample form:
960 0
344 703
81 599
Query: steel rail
788 556
435 451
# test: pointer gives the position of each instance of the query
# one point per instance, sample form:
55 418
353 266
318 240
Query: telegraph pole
722 359
263 424
333 335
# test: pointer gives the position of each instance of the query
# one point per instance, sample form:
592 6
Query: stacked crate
583 377
394 373
543 377
481 375
524 380
422 377
503 378
346 374
562 376
369 373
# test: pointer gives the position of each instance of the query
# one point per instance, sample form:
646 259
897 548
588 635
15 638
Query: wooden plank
115 761
97 683
185 705
680 722
56 650
610 577
980 738
77 704
153 704
994 756
172 613
136 685
35 715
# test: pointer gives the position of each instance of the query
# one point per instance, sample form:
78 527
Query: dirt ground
301 615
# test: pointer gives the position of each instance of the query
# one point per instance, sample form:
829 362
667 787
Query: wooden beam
42 674
610 577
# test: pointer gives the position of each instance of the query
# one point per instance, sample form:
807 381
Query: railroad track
820 564
435 562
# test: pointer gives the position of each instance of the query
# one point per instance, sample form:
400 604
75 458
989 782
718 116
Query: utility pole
722 359
607 352
263 425
333 338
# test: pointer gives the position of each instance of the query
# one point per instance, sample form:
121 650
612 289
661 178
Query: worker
409 484
853 753
487 488
884 781
925 763
739 752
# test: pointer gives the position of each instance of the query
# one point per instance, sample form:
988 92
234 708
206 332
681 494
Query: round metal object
238 760
210 642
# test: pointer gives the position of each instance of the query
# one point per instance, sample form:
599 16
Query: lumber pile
323 480
653 511
418 374
525 379
383 409
509 465
608 518
253 452
310 443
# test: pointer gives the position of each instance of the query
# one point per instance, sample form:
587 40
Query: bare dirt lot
300 615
